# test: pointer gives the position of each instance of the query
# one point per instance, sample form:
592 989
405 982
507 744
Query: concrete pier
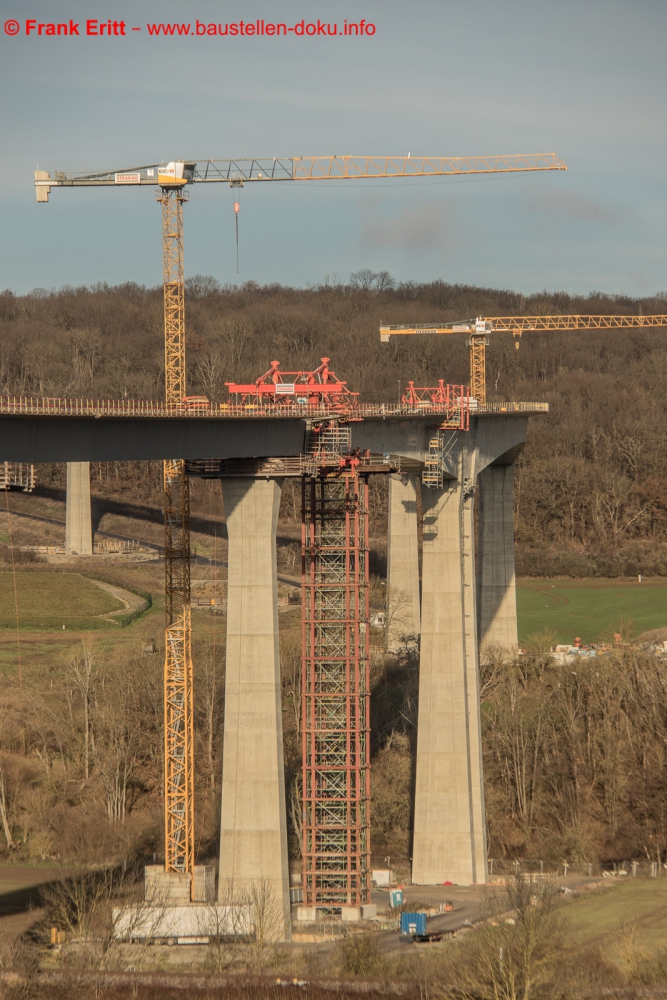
78 523
449 832
496 583
253 834
478 846
403 602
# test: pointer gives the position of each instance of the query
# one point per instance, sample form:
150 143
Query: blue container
413 923
396 898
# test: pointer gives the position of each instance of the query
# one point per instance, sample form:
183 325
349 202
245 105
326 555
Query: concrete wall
78 523
449 833
403 599
253 835
496 575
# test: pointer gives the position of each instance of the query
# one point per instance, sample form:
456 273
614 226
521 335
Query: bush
517 956
359 956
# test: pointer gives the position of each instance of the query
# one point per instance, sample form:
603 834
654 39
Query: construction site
308 425
447 457
333 540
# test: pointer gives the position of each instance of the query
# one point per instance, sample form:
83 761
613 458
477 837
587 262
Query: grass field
590 609
48 600
634 910
43 643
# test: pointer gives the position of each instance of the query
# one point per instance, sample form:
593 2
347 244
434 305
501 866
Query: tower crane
478 329
171 179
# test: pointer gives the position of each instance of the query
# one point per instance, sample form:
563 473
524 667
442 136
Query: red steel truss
335 688
321 386
453 400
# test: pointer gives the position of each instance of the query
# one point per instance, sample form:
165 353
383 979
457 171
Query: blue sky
585 79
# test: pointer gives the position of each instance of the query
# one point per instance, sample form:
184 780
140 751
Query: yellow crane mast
172 178
179 792
478 330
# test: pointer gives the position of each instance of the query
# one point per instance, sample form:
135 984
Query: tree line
591 488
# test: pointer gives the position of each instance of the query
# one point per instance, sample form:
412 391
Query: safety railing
489 409
53 406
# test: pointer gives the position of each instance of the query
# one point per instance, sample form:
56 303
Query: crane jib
297 168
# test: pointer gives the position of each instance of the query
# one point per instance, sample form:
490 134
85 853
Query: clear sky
584 78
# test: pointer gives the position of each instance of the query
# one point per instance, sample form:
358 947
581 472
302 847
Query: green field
48 600
636 909
590 609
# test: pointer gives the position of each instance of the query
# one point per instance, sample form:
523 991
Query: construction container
396 898
413 924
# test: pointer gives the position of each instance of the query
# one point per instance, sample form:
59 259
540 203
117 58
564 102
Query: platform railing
53 406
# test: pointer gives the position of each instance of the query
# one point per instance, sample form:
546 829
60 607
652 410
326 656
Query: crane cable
237 206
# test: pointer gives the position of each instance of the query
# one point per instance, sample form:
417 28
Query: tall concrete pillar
403 605
449 834
78 523
253 833
496 595
471 647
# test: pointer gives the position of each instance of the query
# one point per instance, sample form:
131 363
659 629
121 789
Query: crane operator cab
175 173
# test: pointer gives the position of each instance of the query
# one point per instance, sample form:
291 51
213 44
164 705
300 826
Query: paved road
468 904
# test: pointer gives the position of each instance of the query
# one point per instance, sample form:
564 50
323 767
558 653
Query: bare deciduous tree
80 669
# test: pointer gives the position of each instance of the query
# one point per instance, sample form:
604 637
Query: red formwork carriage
307 388
452 400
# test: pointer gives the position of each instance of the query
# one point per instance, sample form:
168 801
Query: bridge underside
449 835
46 438
142 439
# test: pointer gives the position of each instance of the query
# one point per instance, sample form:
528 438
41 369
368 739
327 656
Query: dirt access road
20 899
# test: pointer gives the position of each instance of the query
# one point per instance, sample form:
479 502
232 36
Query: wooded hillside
591 495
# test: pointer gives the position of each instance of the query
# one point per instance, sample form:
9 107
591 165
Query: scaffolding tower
20 474
335 686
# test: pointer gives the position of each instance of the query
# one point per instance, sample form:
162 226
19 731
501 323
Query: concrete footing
353 913
449 831
348 914
253 834
496 591
78 522
174 887
168 914
403 603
